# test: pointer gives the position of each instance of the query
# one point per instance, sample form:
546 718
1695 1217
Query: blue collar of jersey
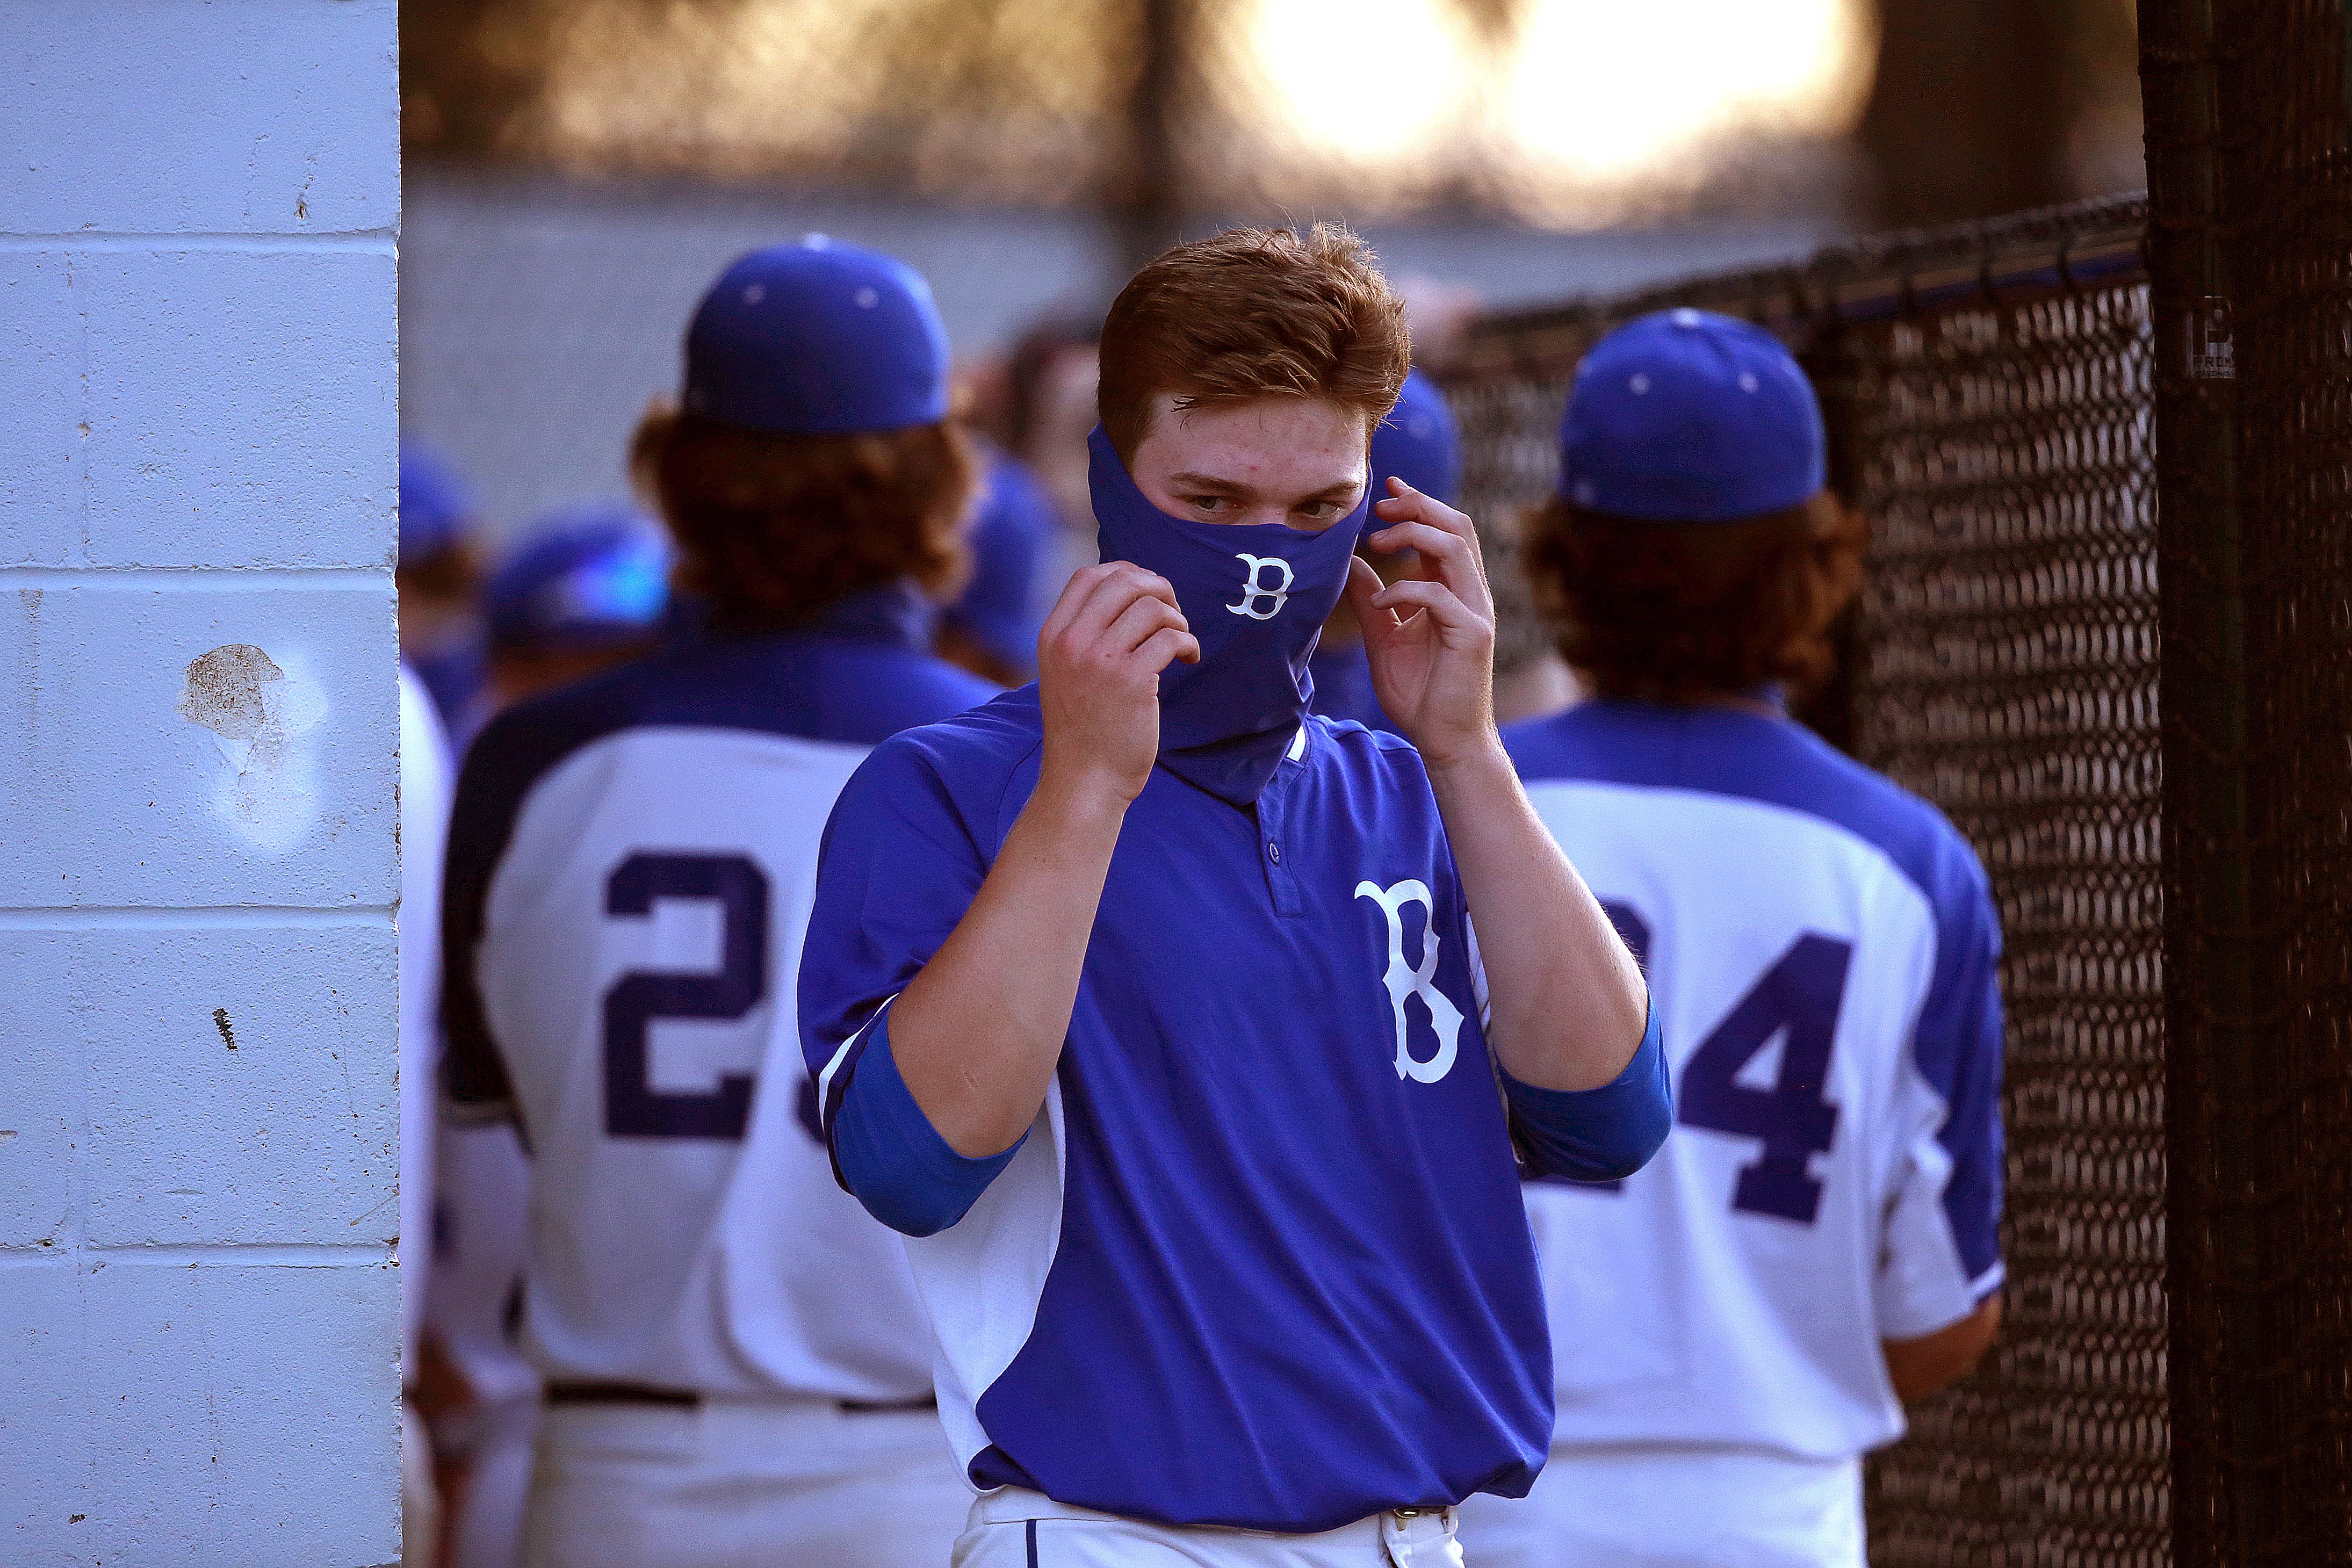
898 613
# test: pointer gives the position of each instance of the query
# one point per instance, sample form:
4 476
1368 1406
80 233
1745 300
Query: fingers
1444 539
1364 586
1143 617
1169 642
1459 623
1115 622
1067 603
1095 597
1363 581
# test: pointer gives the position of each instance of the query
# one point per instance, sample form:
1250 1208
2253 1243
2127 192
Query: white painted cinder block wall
199 206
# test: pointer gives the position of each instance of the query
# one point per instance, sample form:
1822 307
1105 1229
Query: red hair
1254 313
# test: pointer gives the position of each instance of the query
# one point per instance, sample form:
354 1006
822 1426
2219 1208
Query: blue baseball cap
817 338
1420 443
591 576
437 508
1686 416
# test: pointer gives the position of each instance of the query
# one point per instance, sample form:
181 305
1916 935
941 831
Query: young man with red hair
1149 1005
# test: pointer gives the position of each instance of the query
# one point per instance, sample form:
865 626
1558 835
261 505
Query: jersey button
1274 854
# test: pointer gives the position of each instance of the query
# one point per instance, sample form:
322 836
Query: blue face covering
1256 596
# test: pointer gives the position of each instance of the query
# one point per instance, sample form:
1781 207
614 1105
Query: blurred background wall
578 169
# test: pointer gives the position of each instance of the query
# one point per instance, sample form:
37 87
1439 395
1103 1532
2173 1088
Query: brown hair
774 530
1254 313
1682 611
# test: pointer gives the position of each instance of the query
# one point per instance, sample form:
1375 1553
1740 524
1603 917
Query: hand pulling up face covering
1256 596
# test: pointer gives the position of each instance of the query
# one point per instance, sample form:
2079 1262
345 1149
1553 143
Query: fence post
2247 179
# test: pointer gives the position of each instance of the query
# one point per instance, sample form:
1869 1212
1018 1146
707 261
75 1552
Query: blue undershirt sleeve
1596 1134
902 859
891 1157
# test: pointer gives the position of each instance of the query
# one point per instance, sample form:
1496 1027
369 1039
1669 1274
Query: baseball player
1736 1325
438 577
992 627
423 816
736 1366
585 588
484 1427
1149 1005
1418 442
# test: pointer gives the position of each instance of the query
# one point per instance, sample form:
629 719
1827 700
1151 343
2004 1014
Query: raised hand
1431 636
1099 655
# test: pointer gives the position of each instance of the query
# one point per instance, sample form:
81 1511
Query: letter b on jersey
1403 980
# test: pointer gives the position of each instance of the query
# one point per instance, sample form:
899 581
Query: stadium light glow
1362 80
1608 92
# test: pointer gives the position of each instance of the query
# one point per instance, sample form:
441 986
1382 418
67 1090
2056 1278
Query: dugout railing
1989 393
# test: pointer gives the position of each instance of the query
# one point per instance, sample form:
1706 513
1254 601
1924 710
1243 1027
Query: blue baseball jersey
1821 949
631 865
1261 1261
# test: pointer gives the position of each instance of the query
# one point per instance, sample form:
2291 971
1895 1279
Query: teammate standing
1149 1004
439 580
424 819
1736 1325
585 588
991 628
736 1369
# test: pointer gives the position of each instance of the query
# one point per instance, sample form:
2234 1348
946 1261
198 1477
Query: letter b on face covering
1255 589
1403 980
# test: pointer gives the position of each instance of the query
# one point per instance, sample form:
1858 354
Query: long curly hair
774 530
1680 613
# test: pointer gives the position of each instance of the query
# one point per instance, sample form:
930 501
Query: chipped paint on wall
263 713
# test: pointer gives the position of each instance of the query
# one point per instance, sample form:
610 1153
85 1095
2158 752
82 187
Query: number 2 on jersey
634 1108
1797 999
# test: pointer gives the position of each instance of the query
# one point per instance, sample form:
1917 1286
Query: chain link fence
2250 169
1990 393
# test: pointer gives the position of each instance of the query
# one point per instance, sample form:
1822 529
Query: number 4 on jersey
1796 998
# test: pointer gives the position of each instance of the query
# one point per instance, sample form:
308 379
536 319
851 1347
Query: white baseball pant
1011 1528
734 1484
1672 1508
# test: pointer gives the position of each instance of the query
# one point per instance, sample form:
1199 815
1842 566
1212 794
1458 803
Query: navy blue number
1799 994
632 1107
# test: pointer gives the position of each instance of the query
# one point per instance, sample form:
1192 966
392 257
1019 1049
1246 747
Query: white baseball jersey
631 864
1821 949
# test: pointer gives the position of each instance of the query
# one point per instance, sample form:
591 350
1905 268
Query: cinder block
241 407
43 1100
182 744
200 1414
237 1085
234 117
46 1429
41 442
